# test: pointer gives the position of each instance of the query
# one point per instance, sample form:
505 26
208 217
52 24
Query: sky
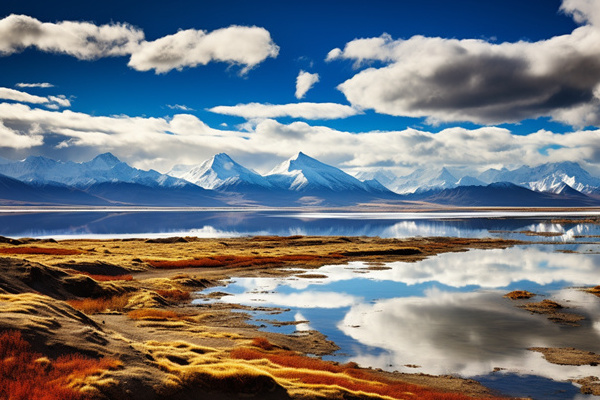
362 85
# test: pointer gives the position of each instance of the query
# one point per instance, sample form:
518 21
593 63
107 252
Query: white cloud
180 107
304 82
239 45
43 85
161 142
82 40
447 80
15 140
53 102
294 110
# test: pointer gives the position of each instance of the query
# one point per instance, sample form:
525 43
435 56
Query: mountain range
299 181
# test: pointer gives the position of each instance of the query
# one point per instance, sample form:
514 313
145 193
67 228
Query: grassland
113 319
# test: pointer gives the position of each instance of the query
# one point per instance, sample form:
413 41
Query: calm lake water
445 314
251 223
442 315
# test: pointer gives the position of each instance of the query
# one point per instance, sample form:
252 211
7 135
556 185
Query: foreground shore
124 307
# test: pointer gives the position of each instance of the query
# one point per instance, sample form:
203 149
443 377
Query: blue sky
413 84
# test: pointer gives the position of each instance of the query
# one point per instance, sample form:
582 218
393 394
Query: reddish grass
101 278
175 295
346 376
153 314
93 306
40 250
25 375
262 343
232 261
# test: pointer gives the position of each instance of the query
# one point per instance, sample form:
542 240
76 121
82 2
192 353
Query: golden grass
309 372
104 304
175 295
153 314
25 374
39 250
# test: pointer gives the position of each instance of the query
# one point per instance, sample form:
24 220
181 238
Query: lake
442 315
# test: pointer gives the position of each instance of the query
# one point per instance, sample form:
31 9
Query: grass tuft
25 374
153 314
103 304
175 295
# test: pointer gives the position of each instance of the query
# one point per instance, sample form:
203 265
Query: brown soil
589 385
568 356
172 349
550 309
519 294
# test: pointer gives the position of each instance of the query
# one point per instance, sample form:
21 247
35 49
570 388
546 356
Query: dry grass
519 294
25 374
152 314
101 278
175 295
318 373
104 304
40 250
231 261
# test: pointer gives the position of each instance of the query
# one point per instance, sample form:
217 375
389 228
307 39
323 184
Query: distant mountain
504 194
220 172
424 180
305 174
386 178
103 168
547 177
14 192
135 194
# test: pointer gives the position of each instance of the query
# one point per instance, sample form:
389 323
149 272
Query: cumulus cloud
447 80
304 82
82 40
183 138
53 102
237 45
43 85
295 110
240 45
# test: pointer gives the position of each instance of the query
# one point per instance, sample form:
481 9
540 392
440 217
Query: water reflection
445 314
227 223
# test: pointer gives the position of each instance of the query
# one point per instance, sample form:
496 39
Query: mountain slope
103 168
304 174
505 194
546 177
423 180
221 172
15 192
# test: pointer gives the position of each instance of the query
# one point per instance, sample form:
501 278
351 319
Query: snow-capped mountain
385 178
547 177
302 173
103 168
423 180
221 172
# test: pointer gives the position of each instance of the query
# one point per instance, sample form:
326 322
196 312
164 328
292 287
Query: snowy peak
304 173
103 162
423 180
103 168
221 172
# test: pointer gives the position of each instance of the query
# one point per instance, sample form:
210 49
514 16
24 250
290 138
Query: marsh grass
25 374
